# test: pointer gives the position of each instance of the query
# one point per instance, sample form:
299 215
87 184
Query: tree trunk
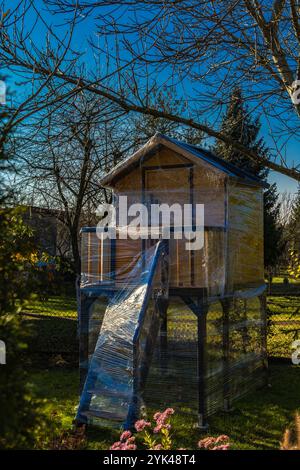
75 250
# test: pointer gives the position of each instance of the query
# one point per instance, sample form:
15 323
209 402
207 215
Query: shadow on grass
257 422
52 338
59 306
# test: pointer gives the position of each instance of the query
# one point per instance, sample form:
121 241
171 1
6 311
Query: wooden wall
235 257
172 185
245 235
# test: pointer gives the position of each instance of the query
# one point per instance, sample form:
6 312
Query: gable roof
191 152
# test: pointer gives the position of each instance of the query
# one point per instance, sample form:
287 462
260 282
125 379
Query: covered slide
119 365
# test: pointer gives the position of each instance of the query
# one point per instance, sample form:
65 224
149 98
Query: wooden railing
112 261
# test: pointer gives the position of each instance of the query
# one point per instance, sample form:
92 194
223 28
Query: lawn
55 306
55 326
284 313
257 421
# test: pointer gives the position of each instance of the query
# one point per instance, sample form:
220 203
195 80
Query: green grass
280 280
257 422
59 388
54 306
54 324
285 324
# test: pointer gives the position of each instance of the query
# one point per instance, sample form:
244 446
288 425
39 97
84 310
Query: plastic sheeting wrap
122 328
235 350
147 348
234 361
106 260
162 325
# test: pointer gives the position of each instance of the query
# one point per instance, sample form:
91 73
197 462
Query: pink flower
141 424
222 447
116 446
161 426
161 420
125 435
129 447
210 443
157 416
123 446
222 438
206 443
158 428
169 411
157 447
161 417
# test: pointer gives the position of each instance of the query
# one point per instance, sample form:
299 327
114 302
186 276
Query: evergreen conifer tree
242 127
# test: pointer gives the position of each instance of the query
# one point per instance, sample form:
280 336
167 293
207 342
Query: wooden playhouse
215 293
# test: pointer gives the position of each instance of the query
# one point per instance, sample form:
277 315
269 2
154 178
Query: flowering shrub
157 435
214 443
126 442
291 438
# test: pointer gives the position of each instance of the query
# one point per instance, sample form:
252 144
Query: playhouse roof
191 152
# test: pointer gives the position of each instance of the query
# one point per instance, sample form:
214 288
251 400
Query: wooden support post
263 307
163 333
113 260
226 304
83 325
162 304
192 252
200 308
202 365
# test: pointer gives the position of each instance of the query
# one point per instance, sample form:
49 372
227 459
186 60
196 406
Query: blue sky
284 183
87 29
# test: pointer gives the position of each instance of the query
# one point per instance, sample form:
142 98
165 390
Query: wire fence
283 312
54 338
52 321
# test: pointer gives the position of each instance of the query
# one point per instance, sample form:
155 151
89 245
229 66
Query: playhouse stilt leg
263 330
226 348
199 308
202 411
83 340
163 334
163 304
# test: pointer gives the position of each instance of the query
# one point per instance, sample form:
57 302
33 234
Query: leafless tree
30 90
61 157
204 48
286 207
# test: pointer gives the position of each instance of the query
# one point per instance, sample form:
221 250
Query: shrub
291 438
18 414
157 435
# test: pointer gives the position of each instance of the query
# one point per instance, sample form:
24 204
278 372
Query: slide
119 366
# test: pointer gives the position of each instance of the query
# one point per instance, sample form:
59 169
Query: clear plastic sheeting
230 237
114 262
235 350
204 362
161 324
119 364
195 356
174 374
